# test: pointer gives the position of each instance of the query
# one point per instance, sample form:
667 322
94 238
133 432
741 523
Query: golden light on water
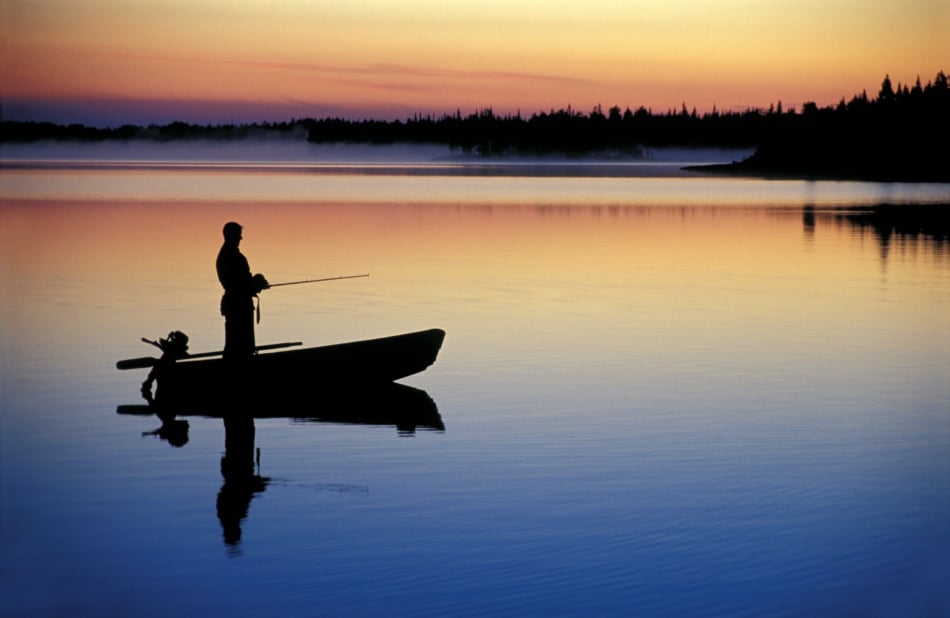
561 267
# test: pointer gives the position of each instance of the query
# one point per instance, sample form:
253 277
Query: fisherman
240 288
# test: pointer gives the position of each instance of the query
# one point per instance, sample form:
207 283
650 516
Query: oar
149 361
135 410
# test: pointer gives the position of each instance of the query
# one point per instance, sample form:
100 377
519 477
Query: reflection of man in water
241 481
240 288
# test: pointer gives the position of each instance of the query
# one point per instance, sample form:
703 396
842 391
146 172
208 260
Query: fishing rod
257 310
275 285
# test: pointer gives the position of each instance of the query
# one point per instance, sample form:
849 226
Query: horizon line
206 112
112 112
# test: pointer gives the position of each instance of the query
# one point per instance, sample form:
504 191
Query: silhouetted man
240 288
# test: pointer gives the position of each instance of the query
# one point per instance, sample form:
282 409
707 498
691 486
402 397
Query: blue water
653 405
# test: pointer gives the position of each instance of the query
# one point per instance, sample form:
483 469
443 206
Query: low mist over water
297 150
259 151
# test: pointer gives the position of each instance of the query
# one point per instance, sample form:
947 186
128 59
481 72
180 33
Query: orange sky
112 61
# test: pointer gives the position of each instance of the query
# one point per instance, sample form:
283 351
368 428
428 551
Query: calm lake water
661 394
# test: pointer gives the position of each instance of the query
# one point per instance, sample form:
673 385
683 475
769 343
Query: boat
271 375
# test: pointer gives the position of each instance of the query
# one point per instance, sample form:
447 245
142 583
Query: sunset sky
108 62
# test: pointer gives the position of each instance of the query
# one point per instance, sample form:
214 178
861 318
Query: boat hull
270 376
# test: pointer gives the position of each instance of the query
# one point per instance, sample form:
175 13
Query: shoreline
743 170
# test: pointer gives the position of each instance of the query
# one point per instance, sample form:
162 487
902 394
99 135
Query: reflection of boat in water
402 406
185 380
352 383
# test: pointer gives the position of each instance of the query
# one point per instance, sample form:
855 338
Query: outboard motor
173 347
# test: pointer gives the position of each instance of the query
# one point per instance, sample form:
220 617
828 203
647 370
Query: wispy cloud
382 75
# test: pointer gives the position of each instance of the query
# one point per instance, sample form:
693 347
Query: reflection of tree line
924 224
880 137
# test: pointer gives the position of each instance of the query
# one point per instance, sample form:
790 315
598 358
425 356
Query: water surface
660 394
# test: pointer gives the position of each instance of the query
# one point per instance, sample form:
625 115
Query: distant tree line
900 119
902 133
563 132
482 133
11 131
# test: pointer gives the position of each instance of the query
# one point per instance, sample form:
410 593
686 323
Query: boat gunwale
329 348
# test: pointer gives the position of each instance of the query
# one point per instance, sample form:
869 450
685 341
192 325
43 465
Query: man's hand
260 283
